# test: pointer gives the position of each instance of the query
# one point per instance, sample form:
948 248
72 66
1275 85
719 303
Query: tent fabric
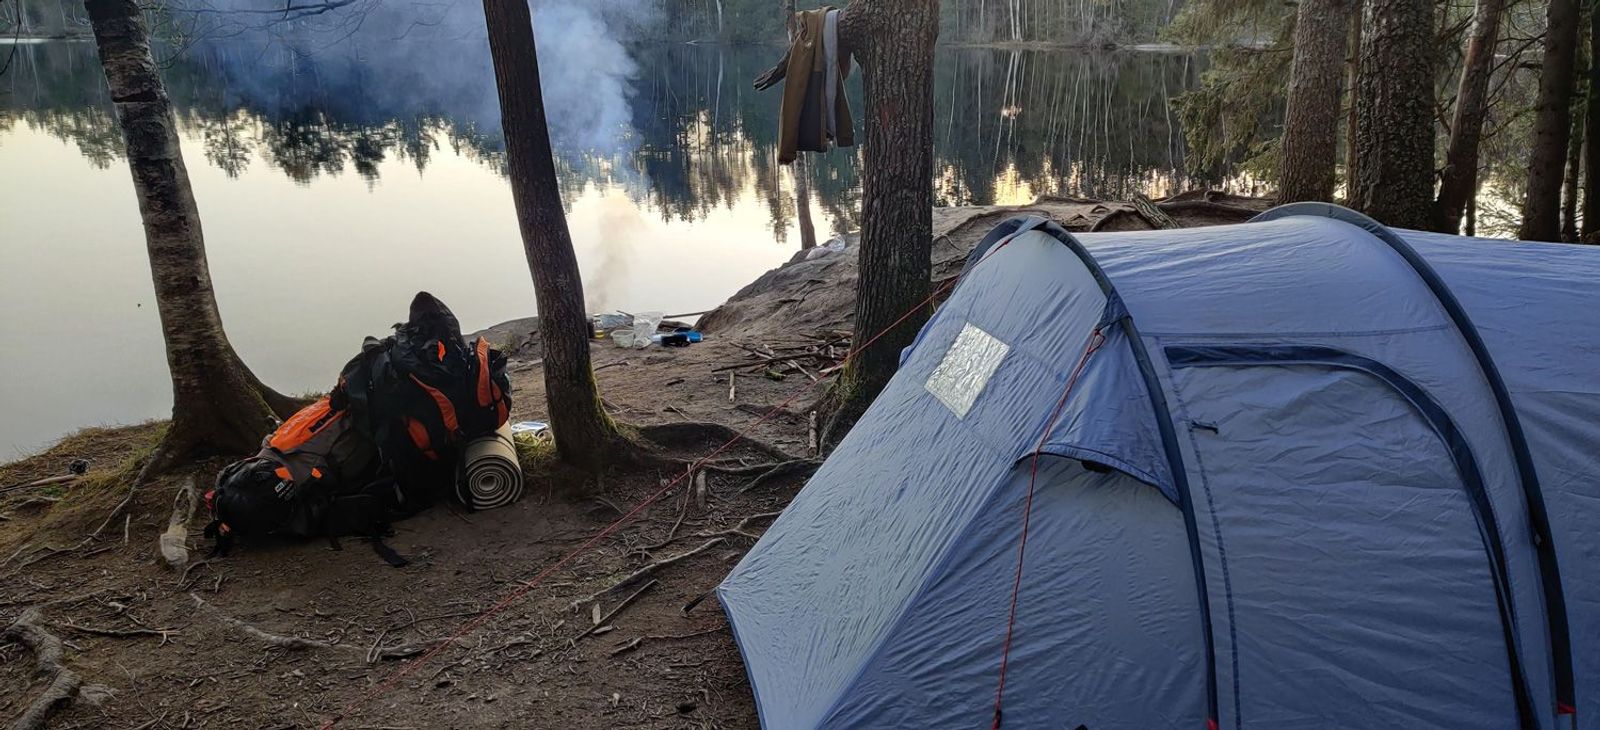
1282 492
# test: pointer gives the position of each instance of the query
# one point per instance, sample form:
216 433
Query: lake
335 182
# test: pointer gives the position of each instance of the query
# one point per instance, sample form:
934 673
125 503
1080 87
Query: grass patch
537 457
115 456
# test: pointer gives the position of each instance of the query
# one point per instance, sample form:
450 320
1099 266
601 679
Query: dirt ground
295 635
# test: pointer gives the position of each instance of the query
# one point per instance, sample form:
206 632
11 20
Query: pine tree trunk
1352 83
1310 145
1552 124
1394 107
893 42
1591 141
583 432
218 405
1459 180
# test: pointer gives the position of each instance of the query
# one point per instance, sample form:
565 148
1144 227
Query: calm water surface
335 184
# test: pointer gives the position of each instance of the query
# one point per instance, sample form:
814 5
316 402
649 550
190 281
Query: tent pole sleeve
1169 443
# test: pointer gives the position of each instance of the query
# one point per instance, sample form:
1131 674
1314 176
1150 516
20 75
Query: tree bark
1591 138
1394 107
802 202
1459 180
1310 145
1552 124
583 432
1352 81
218 405
893 42
1574 168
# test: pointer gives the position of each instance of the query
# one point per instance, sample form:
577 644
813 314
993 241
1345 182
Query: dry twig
618 609
646 572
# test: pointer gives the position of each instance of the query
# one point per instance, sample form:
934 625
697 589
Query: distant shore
1148 47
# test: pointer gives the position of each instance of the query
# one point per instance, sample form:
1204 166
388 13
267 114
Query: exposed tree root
645 572
173 543
292 643
692 434
48 655
636 641
793 467
744 524
1208 207
743 470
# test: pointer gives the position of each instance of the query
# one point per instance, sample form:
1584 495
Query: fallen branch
48 654
118 633
1152 213
767 361
618 609
292 643
645 572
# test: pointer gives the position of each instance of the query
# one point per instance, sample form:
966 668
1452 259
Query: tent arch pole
1158 402
1533 494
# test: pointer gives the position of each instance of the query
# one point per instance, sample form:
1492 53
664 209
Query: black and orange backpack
422 393
315 476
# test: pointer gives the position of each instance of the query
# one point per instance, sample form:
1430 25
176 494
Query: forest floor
293 635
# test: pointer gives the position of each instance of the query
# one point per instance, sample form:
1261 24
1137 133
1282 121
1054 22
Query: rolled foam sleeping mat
490 474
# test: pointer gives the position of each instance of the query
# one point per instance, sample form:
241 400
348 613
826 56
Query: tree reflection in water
1010 125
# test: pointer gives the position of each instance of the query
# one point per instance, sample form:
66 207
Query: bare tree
1309 149
218 405
1459 180
584 433
1552 124
1394 108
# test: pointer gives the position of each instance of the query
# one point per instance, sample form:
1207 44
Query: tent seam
1222 555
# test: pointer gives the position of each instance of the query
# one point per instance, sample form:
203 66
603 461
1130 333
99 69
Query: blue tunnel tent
1309 473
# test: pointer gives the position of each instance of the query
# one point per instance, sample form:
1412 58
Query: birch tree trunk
802 202
1552 124
583 432
1394 108
1310 145
218 405
1569 190
1459 180
1591 138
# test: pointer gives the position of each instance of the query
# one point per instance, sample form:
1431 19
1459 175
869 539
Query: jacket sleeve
775 74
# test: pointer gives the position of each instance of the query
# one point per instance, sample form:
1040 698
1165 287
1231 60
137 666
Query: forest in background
1236 119
1065 22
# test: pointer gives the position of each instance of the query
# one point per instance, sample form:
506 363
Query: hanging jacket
815 115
